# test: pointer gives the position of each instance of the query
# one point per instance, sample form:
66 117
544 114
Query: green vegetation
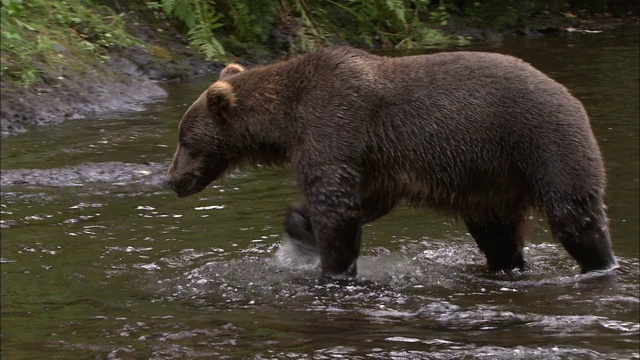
215 26
221 27
44 37
201 20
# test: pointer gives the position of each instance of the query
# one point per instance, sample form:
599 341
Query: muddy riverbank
129 79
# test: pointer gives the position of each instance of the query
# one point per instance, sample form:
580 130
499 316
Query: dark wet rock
161 62
95 90
115 173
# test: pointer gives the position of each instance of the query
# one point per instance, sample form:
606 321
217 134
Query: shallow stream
99 262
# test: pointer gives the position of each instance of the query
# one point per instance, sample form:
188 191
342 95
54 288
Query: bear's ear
220 96
230 70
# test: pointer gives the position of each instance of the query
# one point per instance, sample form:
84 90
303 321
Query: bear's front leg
338 234
335 213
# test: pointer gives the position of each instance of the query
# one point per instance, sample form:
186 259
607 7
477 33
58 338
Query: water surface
111 266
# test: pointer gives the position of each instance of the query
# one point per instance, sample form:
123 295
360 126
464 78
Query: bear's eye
189 148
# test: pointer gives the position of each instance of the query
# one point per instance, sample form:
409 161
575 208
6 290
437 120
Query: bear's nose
168 183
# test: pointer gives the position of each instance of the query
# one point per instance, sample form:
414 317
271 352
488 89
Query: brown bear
482 136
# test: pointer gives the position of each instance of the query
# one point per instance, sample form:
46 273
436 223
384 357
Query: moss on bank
47 38
56 66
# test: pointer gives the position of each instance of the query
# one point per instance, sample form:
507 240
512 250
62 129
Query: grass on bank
43 39
222 26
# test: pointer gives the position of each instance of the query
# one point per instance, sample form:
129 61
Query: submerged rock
116 173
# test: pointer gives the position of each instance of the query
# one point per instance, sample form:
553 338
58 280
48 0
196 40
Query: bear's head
203 155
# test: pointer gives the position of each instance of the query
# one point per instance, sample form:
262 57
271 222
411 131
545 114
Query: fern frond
168 6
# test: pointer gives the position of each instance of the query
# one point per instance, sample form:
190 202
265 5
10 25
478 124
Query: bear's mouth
191 184
192 189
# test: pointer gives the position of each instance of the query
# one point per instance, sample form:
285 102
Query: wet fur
484 137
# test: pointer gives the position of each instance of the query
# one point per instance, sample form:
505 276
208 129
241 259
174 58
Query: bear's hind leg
580 225
501 241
